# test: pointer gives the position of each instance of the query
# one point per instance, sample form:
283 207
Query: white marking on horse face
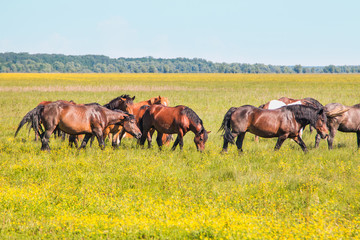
275 104
165 104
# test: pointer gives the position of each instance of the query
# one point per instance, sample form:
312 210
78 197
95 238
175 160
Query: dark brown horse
88 119
342 118
283 123
173 120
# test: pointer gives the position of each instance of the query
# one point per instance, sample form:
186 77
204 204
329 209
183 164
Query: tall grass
146 193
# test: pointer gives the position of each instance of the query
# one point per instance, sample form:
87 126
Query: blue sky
278 32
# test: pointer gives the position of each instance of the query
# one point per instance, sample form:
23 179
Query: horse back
350 120
166 119
263 122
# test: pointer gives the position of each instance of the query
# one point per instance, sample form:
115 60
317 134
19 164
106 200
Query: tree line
59 63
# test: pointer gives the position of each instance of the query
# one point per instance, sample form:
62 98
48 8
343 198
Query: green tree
297 68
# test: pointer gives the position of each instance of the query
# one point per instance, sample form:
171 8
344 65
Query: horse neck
307 116
195 128
113 117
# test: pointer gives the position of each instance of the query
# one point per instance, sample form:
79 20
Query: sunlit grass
146 193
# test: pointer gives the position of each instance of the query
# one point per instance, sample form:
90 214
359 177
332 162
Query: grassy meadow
146 193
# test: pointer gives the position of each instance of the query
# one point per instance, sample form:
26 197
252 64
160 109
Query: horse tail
226 126
36 118
28 118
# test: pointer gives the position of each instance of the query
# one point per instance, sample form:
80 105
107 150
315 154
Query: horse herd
283 118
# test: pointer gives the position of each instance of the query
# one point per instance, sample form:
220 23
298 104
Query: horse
284 122
284 101
155 100
124 103
88 119
28 118
342 118
166 138
173 120
139 110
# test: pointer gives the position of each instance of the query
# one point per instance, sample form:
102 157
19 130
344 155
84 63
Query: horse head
200 139
124 103
321 123
130 126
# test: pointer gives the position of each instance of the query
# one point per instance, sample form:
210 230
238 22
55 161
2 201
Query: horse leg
256 139
145 136
177 140
99 135
239 141
116 140
45 139
332 132
225 146
279 142
73 140
85 140
311 129
299 141
159 140
358 138
181 140
317 140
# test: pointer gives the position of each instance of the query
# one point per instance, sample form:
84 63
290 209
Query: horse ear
133 98
208 132
321 111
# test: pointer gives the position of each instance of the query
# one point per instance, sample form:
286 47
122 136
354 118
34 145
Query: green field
146 193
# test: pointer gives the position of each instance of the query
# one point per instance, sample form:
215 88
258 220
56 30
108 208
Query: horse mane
144 107
114 103
314 102
131 116
192 115
92 104
303 114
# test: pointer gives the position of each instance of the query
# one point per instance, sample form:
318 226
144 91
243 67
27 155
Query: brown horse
155 100
341 118
274 104
283 123
88 119
124 103
173 120
139 110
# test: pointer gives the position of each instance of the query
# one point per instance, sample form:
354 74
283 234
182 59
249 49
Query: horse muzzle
137 136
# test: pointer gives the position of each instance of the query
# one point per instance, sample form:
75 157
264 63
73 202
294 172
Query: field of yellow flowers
132 193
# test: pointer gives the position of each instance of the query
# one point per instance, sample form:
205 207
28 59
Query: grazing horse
88 119
284 122
342 118
173 120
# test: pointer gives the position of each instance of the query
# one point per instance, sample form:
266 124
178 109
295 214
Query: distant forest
59 63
